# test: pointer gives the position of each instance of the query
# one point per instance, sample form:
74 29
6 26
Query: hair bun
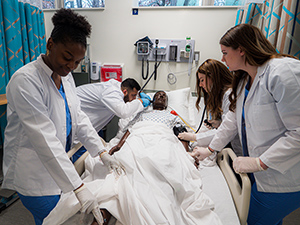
68 18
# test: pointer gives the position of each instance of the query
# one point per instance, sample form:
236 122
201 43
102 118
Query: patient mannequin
158 114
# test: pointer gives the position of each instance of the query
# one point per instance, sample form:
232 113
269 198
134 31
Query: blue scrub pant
271 208
79 153
39 206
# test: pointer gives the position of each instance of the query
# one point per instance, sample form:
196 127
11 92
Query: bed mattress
215 186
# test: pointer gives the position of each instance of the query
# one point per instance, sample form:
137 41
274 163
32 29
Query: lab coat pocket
266 117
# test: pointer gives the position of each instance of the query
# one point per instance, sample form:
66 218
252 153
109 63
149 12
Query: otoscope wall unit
170 50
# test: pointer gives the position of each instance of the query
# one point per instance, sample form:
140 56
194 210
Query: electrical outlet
197 56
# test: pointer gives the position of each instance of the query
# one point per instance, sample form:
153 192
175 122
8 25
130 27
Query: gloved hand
88 203
143 95
246 165
111 163
187 136
200 153
145 101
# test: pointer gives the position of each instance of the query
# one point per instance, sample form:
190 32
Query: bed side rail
239 184
79 164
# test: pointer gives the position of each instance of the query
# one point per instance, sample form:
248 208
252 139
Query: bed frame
79 164
239 184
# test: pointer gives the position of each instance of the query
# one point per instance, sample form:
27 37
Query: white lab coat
35 162
205 136
102 101
272 117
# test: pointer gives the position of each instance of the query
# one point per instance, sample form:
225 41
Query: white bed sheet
214 184
156 164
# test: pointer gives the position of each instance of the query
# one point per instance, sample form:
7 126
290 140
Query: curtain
37 3
22 33
279 20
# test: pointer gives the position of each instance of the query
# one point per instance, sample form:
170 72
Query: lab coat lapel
252 89
259 74
240 101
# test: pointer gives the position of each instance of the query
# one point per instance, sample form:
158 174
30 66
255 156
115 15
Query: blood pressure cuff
145 39
178 128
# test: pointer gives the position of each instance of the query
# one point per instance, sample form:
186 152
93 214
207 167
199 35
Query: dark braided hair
70 27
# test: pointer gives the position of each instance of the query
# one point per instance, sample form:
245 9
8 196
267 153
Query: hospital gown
158 116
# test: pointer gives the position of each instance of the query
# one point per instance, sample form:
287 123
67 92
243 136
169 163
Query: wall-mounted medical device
95 71
143 48
171 50
161 49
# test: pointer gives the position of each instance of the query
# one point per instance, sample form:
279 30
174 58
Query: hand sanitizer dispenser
95 71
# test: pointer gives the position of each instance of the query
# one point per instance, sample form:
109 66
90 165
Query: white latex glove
246 165
112 164
200 153
187 136
89 203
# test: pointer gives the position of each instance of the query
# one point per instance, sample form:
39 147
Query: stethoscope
202 118
153 73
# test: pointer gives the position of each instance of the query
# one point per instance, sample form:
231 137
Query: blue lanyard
68 118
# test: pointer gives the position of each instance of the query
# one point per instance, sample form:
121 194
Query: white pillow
195 115
179 101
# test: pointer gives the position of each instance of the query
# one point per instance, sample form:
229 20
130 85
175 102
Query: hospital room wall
115 30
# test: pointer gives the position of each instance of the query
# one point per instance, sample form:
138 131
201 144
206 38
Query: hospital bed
229 191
